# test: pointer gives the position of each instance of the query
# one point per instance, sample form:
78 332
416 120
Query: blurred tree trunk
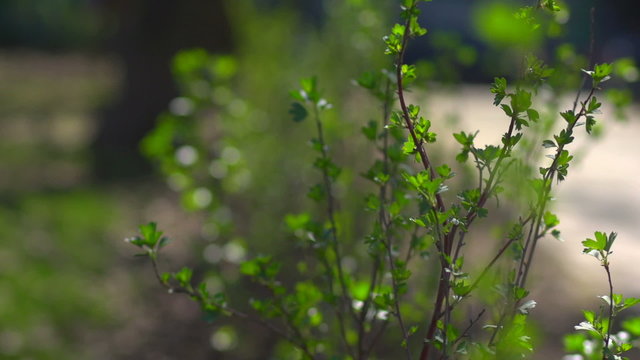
148 33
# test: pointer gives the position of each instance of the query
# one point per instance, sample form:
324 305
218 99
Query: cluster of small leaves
396 41
590 106
596 340
299 308
151 241
600 247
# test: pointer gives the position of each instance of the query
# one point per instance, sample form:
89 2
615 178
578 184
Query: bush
419 274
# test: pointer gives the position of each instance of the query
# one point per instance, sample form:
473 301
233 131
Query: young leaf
298 112
499 88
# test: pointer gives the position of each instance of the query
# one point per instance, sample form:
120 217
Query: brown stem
443 288
426 163
608 338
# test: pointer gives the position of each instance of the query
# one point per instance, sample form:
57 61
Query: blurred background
83 82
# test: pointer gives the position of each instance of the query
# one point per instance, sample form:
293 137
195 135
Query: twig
468 328
610 325
298 342
542 200
346 301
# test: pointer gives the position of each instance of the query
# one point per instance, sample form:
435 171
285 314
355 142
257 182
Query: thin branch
610 325
376 266
468 328
338 310
375 339
426 163
542 200
396 303
550 174
375 269
470 217
298 341
487 267
346 301
592 42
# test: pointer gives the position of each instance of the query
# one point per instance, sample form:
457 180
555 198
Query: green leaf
184 276
371 130
599 243
360 290
250 268
368 80
591 122
372 202
328 166
569 116
137 241
409 147
499 88
415 29
316 193
550 5
520 293
601 72
593 105
165 277
632 325
590 316
414 111
297 221
310 89
408 72
394 40
629 302
520 101
150 234
610 239
574 343
298 112
444 171
563 159
550 220
507 110
564 137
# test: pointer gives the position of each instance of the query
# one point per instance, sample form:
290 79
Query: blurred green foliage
53 262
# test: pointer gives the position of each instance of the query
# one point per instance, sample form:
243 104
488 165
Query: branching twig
382 195
346 299
297 341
